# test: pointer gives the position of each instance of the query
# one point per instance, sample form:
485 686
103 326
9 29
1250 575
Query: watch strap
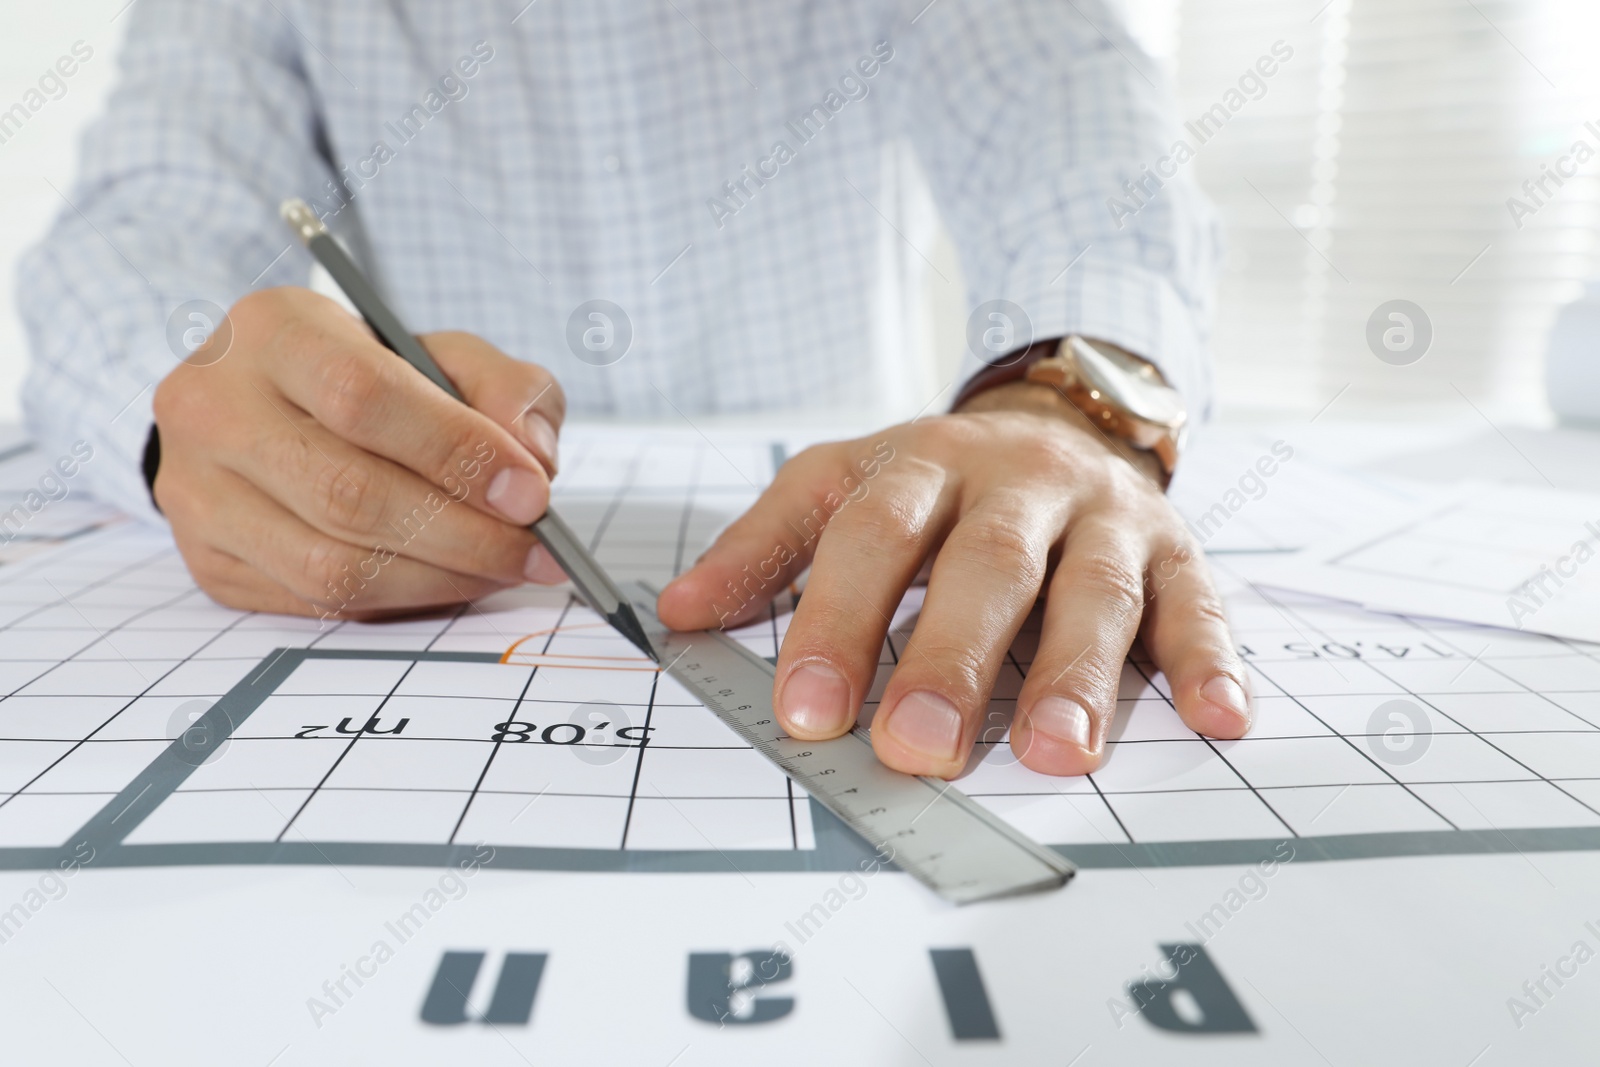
1025 364
1013 368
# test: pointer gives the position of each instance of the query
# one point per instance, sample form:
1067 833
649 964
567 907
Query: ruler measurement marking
960 850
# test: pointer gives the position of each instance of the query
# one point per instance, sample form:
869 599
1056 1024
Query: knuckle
1169 558
353 389
354 498
172 497
324 563
947 434
453 449
1175 542
890 529
810 456
198 562
262 307
1091 682
1118 489
181 399
232 596
274 301
1002 544
212 578
1206 608
1089 675
1058 455
167 401
957 668
500 551
287 320
1110 576
224 593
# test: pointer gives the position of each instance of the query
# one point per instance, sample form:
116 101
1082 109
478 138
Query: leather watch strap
1013 368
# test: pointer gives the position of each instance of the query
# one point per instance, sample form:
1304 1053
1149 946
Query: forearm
1028 125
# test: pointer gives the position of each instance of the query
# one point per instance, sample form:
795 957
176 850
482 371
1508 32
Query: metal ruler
925 826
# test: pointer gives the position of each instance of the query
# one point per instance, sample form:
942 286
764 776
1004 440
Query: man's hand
309 470
1014 495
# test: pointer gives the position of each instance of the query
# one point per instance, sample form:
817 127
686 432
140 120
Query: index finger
372 398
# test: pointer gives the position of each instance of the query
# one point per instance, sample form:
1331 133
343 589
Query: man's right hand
309 470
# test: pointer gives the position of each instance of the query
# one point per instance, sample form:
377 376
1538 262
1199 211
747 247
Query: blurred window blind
1377 165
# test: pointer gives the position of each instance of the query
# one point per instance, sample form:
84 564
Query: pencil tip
627 624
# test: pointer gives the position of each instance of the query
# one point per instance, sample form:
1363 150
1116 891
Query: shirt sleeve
211 123
1029 116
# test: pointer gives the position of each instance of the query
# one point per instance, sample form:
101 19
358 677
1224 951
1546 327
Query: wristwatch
1123 395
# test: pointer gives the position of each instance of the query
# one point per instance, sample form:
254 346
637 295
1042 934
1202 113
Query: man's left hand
1014 494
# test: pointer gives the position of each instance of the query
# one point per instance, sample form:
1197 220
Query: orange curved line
506 656
582 666
573 655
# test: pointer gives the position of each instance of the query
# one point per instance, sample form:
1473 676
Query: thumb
522 397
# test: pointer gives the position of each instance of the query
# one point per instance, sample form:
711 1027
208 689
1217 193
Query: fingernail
1226 694
542 567
541 437
1062 719
816 699
926 723
517 494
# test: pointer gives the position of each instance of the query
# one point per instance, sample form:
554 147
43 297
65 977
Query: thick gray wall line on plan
837 847
114 822
107 827
822 860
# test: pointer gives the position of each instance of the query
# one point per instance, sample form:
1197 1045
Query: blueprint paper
1256 490
1521 557
524 722
497 834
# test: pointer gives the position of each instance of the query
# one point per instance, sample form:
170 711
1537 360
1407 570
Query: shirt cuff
116 474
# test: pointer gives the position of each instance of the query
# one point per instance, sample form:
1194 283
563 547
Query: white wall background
1376 166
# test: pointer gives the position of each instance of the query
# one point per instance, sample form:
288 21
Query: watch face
1127 383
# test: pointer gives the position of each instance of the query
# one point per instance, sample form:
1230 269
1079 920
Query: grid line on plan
1377 764
1523 772
1556 782
345 752
638 765
101 636
521 698
1223 757
1466 728
478 782
648 509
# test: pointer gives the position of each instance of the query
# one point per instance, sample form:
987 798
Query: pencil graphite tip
627 624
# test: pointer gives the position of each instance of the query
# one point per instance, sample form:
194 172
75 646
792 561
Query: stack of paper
1514 556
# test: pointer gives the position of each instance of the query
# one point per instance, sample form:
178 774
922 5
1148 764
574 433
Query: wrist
1121 395
1048 401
